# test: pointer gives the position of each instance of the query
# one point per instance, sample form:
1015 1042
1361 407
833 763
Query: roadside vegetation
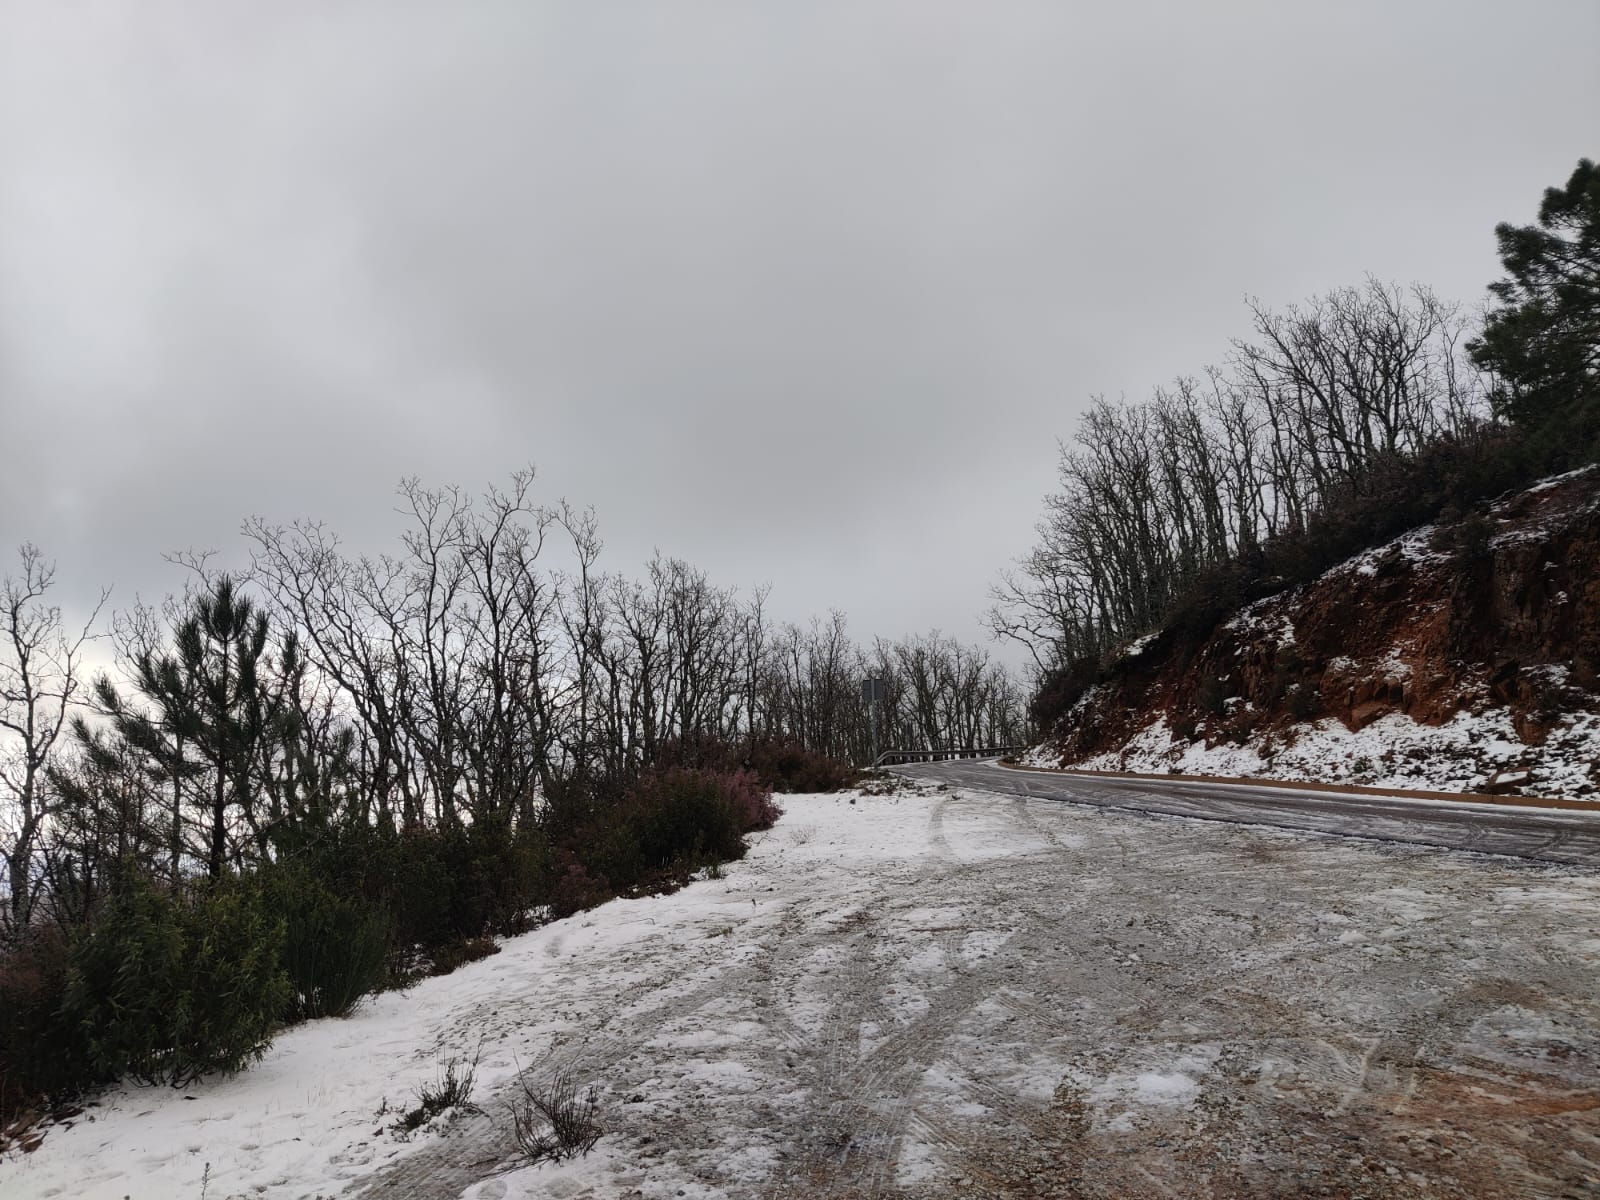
319 776
1332 427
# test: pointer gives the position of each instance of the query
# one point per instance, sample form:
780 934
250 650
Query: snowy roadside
924 994
1394 751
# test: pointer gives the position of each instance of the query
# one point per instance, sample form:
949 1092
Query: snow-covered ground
940 994
1394 751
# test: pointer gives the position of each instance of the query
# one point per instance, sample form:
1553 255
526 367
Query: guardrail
891 757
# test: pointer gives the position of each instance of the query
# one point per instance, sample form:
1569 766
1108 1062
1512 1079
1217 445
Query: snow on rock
1394 751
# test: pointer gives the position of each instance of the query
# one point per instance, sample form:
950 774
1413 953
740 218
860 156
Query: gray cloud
803 293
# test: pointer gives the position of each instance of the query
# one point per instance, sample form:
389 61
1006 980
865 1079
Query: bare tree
1152 494
41 664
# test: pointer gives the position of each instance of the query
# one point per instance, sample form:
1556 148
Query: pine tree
1542 340
212 716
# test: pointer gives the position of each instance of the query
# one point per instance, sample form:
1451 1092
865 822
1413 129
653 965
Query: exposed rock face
1495 614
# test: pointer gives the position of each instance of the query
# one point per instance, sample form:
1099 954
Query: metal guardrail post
892 757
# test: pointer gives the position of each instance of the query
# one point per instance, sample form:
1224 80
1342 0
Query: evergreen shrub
336 949
497 875
166 989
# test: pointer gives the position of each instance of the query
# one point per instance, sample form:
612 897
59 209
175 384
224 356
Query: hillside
1463 656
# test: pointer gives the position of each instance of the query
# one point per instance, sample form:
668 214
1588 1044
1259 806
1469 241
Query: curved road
1552 835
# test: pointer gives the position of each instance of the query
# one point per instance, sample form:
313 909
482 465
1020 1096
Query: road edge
1301 785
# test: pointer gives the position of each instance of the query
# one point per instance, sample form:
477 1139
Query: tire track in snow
1077 901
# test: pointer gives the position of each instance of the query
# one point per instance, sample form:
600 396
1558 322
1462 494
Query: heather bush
780 764
700 752
787 766
751 798
40 1056
672 822
451 955
575 889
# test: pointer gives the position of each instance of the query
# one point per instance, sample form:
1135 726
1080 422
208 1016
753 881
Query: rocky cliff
1462 656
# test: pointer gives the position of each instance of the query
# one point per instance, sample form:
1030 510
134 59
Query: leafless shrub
451 1090
557 1121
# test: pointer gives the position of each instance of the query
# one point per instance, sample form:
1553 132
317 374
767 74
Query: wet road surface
1549 835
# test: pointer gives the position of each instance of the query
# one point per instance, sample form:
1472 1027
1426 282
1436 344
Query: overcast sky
801 292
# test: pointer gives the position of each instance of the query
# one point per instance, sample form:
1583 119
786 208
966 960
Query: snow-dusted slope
1454 657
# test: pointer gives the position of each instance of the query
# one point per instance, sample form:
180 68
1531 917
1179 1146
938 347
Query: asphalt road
1552 835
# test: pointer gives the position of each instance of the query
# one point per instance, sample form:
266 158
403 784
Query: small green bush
1304 702
166 989
443 886
451 1090
1468 540
684 817
336 949
498 874
412 876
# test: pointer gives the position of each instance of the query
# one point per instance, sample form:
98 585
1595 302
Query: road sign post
873 689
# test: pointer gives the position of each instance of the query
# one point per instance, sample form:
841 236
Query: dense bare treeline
485 671
479 676
1213 468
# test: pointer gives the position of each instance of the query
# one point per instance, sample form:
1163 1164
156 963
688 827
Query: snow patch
1393 751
